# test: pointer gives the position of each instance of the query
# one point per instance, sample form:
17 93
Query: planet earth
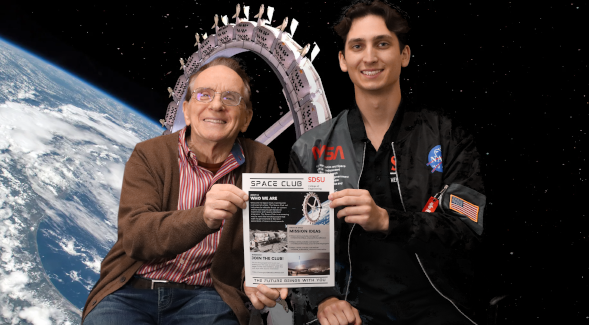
63 148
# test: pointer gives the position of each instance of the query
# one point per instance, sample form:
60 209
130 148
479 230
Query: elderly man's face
215 122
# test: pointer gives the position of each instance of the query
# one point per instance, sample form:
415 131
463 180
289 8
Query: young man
393 261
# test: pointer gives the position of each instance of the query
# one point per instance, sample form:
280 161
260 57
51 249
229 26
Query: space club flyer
288 230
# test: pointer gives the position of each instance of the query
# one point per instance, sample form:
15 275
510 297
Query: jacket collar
358 130
411 118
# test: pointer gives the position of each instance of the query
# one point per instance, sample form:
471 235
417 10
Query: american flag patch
464 207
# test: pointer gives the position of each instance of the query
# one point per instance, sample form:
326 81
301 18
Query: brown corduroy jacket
150 227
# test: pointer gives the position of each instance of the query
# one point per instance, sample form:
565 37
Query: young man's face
372 57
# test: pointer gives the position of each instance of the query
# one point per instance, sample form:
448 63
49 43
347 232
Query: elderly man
179 254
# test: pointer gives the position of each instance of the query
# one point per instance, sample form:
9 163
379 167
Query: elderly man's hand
222 202
262 296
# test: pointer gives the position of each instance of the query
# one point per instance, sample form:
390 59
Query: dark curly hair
397 20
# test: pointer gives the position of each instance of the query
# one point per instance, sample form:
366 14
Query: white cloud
68 247
93 264
6 311
10 240
51 145
22 94
43 315
14 281
90 258
75 277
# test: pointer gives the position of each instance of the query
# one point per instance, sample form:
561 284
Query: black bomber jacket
431 152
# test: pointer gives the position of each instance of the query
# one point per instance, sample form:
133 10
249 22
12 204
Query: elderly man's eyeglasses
206 95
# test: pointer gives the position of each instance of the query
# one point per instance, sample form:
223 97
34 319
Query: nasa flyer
288 234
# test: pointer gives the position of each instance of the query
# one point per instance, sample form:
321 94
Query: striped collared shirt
193 266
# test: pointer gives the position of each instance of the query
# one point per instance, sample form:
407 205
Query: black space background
517 73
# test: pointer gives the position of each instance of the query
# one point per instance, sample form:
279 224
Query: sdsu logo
434 159
330 154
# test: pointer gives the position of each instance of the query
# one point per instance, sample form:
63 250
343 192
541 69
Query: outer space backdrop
81 83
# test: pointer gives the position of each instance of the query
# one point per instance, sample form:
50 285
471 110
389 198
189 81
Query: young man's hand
262 296
359 208
333 311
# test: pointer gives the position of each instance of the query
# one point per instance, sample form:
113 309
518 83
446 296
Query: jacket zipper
438 291
362 168
349 237
354 225
440 194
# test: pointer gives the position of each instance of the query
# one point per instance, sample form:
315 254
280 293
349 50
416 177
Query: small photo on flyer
300 264
268 241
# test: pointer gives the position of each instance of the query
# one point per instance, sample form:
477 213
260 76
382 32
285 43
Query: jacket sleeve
149 233
310 296
453 229
273 166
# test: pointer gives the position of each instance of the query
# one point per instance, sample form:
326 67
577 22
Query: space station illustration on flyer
288 233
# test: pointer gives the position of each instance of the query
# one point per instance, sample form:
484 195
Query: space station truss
301 83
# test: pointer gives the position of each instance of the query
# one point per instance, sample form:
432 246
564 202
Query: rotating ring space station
300 81
309 208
